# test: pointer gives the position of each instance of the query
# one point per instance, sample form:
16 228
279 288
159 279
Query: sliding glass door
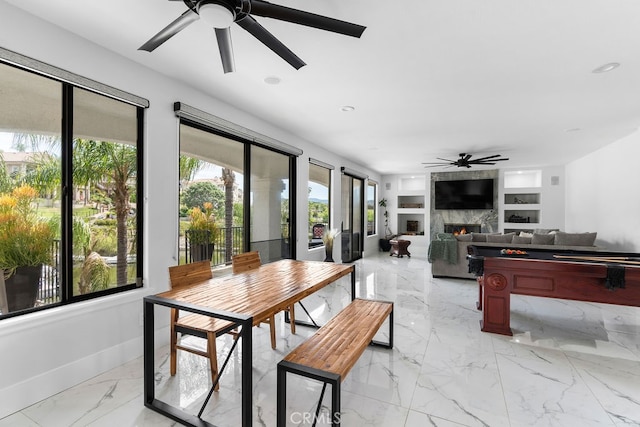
237 191
352 217
271 203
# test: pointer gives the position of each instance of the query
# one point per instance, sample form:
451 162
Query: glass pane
104 160
358 210
319 196
346 194
371 209
30 117
270 227
211 196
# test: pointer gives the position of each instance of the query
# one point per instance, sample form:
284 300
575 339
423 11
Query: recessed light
272 80
347 108
606 67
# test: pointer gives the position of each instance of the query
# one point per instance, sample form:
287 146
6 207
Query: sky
5 141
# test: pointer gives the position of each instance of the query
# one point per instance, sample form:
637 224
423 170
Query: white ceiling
427 79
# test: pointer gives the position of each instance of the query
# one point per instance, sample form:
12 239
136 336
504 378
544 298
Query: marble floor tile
567 364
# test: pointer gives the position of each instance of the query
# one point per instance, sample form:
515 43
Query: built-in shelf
411 202
521 216
522 198
523 179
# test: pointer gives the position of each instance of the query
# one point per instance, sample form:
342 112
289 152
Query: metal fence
198 245
49 290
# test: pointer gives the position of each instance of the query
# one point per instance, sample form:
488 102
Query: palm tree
110 167
229 178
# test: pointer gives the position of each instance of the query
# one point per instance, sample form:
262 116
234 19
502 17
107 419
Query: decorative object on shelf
220 14
327 239
518 219
202 232
26 242
465 161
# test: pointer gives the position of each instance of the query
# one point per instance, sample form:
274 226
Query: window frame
189 116
68 83
329 169
374 222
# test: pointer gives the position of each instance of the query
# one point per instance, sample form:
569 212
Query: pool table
595 276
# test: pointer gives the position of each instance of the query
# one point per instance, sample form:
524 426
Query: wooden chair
190 275
249 261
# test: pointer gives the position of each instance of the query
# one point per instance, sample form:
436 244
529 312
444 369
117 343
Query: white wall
44 353
602 195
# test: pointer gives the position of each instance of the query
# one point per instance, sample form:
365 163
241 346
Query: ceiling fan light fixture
217 15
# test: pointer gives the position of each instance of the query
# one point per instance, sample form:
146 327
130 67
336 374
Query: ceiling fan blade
485 158
466 157
269 10
486 162
223 35
269 40
170 30
445 160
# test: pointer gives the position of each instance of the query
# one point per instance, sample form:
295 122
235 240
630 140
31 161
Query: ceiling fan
220 14
465 161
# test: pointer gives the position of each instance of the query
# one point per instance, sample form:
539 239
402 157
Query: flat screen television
464 194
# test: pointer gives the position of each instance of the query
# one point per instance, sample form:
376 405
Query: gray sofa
446 249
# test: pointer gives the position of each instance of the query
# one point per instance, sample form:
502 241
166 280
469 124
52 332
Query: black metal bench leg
281 397
315 419
335 403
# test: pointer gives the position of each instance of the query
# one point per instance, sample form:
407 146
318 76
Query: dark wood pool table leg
496 310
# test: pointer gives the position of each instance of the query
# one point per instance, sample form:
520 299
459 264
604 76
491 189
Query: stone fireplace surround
462 228
486 219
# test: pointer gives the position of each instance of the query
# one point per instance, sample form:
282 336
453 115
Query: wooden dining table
245 299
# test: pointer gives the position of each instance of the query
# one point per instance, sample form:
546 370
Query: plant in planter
25 245
202 232
328 238
388 234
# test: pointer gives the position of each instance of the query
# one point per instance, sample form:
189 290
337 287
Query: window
371 208
246 181
319 201
211 172
71 225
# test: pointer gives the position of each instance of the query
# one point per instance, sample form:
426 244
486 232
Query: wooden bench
333 350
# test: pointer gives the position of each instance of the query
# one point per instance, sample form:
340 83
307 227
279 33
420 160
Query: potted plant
327 239
26 242
202 232
388 235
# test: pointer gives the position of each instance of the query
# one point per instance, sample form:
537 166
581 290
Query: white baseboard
26 393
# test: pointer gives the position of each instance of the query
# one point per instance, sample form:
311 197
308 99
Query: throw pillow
464 237
543 239
522 239
478 237
500 238
545 230
575 239
525 234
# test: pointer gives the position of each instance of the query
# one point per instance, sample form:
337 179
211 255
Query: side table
399 248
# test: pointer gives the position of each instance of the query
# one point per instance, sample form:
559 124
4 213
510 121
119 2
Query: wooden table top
264 291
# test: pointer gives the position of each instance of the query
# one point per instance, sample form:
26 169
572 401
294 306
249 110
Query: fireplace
456 229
